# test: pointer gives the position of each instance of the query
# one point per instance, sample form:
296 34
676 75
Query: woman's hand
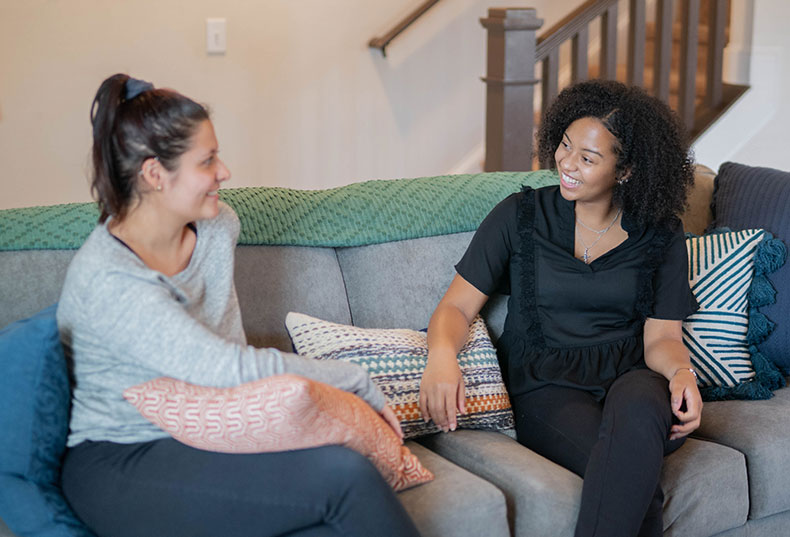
666 353
392 420
442 392
442 388
683 389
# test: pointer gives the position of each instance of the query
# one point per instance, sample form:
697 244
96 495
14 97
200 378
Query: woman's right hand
442 391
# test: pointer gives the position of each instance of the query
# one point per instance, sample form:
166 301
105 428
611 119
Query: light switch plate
216 36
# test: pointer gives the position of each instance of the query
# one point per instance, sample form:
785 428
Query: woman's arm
665 353
442 387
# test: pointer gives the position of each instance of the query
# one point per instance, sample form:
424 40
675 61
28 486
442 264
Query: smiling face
191 191
587 162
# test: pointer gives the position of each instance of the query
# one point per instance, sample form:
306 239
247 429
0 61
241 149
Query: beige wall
299 100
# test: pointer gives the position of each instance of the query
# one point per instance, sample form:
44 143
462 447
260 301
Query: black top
570 323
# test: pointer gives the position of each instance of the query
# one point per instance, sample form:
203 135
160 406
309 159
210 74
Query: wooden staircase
676 55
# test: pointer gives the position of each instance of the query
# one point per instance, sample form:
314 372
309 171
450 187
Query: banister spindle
636 42
550 81
608 58
688 61
510 88
717 21
662 58
579 49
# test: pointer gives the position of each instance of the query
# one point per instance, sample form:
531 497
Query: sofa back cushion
273 280
30 280
751 197
398 284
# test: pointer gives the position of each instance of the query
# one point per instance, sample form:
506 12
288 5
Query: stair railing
514 49
384 40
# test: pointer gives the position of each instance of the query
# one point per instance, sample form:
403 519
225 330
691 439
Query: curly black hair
652 146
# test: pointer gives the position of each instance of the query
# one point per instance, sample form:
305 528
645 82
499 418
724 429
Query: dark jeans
164 488
617 446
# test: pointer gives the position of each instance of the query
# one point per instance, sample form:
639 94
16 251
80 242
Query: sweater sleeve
142 324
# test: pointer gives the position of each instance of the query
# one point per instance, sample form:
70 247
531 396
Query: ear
153 173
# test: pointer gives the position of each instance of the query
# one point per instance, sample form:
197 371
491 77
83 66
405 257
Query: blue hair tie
135 87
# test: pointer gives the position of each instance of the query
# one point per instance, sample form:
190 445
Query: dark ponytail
133 122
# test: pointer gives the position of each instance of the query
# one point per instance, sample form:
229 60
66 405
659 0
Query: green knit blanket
369 212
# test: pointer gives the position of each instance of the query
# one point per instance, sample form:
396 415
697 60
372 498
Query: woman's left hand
683 389
392 420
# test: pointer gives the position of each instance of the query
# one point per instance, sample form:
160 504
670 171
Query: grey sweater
124 324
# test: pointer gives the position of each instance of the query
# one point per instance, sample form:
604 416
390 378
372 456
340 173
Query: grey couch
730 479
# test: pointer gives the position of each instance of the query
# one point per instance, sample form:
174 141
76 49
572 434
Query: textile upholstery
761 431
727 276
396 359
751 197
34 409
278 413
308 279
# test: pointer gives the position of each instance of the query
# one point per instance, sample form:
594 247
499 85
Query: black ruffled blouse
570 323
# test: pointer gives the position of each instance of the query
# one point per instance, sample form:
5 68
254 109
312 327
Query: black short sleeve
673 299
486 263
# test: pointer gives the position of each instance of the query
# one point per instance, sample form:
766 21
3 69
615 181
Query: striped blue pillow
718 335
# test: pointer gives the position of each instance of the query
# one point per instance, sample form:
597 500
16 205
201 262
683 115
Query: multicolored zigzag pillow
722 334
396 358
279 413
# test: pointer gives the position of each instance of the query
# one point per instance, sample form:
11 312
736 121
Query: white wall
754 131
299 100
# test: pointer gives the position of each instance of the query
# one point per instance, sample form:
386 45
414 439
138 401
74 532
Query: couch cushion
34 408
543 497
395 359
749 197
273 280
419 269
30 280
761 431
697 215
689 478
456 502
727 276
277 413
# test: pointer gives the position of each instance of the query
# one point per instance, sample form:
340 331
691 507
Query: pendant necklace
601 233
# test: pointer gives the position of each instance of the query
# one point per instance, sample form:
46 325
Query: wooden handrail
382 42
577 20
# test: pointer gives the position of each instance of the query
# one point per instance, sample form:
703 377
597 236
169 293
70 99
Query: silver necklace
601 233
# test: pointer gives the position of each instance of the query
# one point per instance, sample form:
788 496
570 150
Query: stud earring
158 188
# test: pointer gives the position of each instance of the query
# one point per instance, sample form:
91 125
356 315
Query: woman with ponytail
151 294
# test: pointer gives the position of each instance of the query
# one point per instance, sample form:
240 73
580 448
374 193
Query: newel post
510 87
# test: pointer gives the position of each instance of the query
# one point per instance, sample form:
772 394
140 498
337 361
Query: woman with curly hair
596 268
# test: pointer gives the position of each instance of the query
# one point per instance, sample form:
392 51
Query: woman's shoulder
226 223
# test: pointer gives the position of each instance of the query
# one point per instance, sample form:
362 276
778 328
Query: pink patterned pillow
279 413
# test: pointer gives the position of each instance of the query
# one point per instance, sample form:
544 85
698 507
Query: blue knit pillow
34 410
727 276
748 197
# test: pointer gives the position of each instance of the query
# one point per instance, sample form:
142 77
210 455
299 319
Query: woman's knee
344 466
639 398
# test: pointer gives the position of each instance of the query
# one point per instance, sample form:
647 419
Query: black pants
164 488
617 446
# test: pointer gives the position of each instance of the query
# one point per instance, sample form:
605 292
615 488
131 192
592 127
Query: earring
621 182
158 188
